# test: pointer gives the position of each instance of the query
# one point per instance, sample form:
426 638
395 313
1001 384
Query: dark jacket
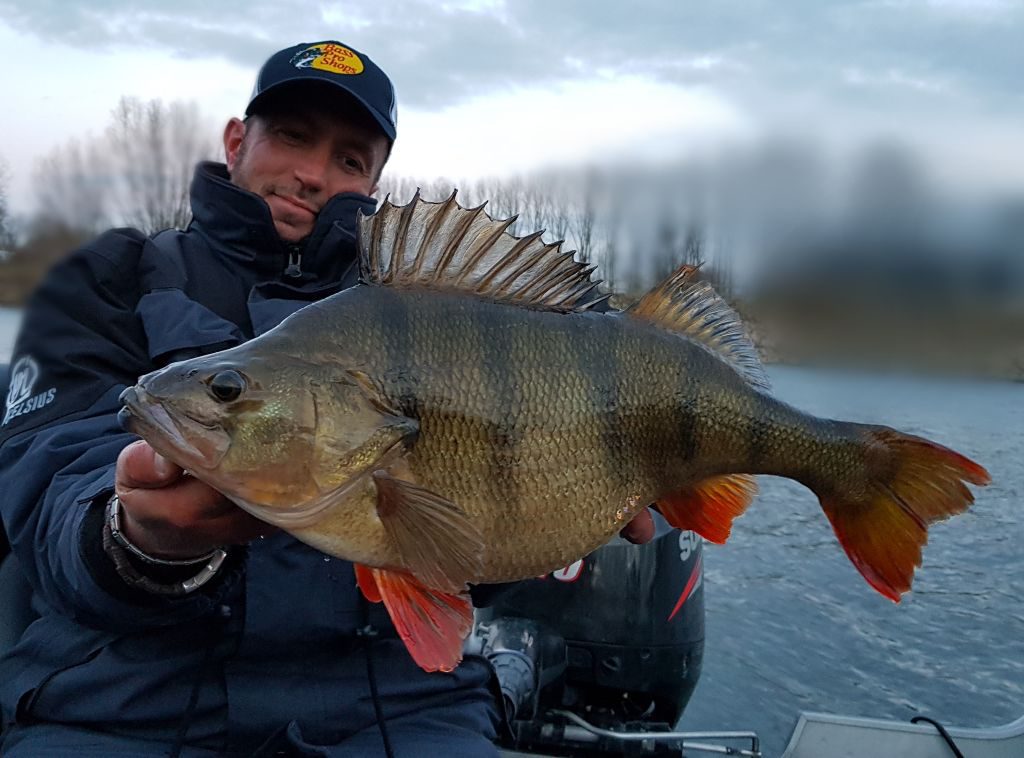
272 639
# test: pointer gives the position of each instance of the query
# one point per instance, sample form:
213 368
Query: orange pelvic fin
367 584
709 506
883 529
432 624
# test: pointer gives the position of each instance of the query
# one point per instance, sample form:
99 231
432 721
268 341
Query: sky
492 87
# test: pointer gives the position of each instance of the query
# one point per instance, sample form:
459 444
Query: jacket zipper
294 267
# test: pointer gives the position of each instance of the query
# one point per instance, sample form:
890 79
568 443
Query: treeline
585 211
881 266
137 173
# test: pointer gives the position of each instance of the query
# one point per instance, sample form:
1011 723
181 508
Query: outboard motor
616 639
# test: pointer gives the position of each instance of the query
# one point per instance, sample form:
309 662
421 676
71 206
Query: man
172 621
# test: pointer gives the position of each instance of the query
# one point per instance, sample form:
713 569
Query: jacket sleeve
79 347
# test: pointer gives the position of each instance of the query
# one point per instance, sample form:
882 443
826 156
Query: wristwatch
120 550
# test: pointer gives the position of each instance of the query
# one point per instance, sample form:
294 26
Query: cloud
443 53
942 72
894 77
610 119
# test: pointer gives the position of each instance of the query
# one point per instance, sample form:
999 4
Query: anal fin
709 506
432 624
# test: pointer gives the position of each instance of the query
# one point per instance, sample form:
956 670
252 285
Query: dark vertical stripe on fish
688 428
398 345
602 370
501 363
758 440
645 424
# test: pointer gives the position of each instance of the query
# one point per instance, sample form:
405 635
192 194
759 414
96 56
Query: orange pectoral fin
432 624
366 582
710 506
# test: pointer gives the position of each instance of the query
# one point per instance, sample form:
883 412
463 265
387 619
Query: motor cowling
618 636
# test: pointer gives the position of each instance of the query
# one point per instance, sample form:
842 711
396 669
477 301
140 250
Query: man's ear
234 133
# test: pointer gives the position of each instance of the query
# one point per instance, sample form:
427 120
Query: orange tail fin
913 483
432 624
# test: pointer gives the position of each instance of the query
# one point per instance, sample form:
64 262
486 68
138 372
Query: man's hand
640 529
169 514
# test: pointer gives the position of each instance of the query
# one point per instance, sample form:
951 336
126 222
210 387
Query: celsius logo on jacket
20 397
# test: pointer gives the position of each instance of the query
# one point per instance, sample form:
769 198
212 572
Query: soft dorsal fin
445 246
690 307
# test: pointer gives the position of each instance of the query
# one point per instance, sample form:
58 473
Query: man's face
297 156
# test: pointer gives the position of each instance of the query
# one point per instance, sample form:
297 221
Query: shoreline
1005 364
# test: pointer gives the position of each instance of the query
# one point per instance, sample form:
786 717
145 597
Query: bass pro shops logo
20 397
328 56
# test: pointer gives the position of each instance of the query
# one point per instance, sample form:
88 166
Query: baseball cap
334 63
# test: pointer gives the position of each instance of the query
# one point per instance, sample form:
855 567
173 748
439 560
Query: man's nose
311 170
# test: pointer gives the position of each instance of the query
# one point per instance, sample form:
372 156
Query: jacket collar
239 225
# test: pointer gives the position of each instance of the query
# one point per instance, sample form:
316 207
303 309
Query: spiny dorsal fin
693 308
445 246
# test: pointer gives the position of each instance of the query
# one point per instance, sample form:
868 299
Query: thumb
140 466
640 529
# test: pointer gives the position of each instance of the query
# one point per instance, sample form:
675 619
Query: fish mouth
171 433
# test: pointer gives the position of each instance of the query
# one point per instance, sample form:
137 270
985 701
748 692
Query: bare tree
503 197
534 207
667 252
693 245
581 219
543 204
72 187
438 189
401 189
398 190
137 172
154 147
6 237
722 273
610 249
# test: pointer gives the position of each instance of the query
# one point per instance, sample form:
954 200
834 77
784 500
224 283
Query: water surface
10 318
791 625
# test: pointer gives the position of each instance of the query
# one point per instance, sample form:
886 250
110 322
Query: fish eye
226 386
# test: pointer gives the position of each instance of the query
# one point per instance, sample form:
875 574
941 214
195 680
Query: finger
181 503
186 518
234 527
139 465
640 529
